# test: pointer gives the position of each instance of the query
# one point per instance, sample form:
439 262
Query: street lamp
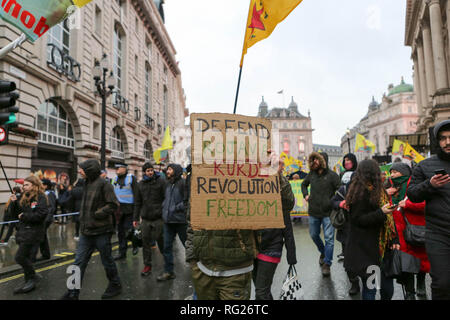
348 139
104 88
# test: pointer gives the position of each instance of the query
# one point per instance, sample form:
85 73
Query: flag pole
11 46
237 90
6 177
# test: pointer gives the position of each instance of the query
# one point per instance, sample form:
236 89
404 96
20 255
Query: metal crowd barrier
55 216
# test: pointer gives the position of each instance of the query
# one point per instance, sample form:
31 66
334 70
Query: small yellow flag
80 3
363 145
263 17
167 141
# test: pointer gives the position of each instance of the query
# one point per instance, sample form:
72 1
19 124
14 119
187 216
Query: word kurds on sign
14 9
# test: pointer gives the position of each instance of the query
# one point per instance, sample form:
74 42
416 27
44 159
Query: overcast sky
332 56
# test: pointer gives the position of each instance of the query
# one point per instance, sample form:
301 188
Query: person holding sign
324 183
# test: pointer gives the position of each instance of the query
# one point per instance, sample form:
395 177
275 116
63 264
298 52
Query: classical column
437 41
428 57
417 87
422 74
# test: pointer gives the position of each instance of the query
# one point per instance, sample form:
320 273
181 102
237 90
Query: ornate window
59 35
118 57
116 144
148 150
148 89
54 126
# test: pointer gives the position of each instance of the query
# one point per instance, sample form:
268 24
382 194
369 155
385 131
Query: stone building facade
60 112
334 153
427 32
396 114
295 129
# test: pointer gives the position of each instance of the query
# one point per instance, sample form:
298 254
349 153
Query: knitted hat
401 167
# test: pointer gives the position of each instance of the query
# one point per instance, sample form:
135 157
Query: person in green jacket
324 183
221 261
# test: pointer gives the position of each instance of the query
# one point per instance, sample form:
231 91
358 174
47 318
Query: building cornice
148 13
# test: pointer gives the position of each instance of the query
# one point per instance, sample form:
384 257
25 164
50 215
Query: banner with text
234 184
301 206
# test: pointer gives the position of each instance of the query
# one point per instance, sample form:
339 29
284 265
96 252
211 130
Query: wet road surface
136 287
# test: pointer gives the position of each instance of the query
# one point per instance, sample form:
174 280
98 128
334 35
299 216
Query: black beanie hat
146 166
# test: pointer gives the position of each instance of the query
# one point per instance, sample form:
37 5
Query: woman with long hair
372 230
32 210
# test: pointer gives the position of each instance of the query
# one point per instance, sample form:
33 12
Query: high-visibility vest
124 193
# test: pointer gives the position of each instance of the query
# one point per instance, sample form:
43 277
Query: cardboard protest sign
233 185
301 206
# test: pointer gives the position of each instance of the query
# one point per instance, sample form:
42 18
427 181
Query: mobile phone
393 206
440 171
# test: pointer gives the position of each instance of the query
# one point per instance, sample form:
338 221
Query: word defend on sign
233 185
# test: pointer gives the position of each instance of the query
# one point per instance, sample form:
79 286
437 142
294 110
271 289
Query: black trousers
151 231
43 246
24 259
438 250
124 226
262 274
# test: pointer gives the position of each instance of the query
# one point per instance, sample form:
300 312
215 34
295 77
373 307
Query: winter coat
99 202
415 213
77 195
272 240
323 187
175 198
149 198
437 209
362 247
31 226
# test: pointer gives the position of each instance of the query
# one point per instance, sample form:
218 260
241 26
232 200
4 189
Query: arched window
116 144
53 125
148 150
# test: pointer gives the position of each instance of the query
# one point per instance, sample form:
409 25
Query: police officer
125 188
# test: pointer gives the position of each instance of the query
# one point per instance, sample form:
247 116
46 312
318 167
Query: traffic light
8 99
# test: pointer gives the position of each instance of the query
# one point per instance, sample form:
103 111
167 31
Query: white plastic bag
291 289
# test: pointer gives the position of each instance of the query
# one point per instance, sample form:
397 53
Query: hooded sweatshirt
99 202
175 197
323 186
437 210
347 174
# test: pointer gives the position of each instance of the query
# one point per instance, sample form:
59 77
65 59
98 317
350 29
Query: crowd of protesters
377 210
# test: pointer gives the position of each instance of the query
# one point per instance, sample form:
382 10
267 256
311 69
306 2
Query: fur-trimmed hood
317 155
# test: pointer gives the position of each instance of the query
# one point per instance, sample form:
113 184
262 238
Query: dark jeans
386 288
438 251
262 274
123 228
24 259
87 246
170 231
328 232
151 231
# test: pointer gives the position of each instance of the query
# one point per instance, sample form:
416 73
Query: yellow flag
167 141
412 154
398 147
263 17
363 145
80 3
